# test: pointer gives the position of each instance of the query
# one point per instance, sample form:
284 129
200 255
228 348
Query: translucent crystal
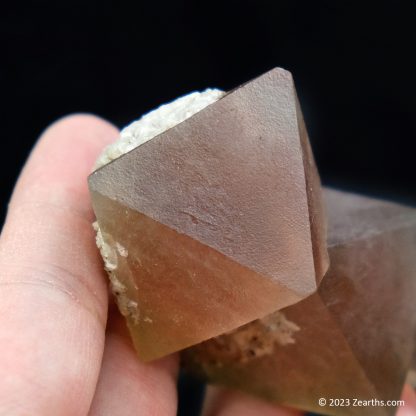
219 219
353 339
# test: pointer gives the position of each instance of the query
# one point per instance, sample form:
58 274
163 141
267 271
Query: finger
409 397
53 299
225 402
128 386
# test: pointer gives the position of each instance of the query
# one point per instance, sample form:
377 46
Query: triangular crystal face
353 339
220 216
178 289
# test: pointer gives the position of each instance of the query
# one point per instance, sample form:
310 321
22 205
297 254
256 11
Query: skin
63 343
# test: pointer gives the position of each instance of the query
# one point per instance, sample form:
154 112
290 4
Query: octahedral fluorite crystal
353 339
215 222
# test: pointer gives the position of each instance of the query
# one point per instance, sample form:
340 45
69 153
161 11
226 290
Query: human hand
64 350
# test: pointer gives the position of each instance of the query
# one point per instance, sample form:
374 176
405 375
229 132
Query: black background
352 64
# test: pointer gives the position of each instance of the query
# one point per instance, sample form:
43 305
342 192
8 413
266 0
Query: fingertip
78 137
62 159
86 125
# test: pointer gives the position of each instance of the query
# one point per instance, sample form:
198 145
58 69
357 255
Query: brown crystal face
220 216
317 214
353 339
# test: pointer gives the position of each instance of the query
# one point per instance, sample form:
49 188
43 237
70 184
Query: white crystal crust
156 122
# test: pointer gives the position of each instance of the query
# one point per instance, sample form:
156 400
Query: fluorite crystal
216 222
353 339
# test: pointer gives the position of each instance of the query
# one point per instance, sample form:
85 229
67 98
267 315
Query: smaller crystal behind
354 339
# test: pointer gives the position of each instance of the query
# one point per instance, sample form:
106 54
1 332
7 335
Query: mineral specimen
352 340
215 222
